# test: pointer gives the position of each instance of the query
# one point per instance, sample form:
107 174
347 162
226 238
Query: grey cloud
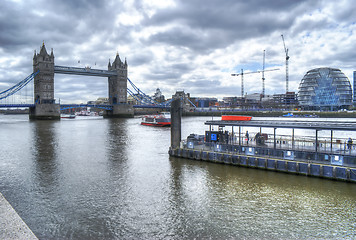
192 28
140 58
169 73
216 24
346 57
56 21
310 25
345 12
169 77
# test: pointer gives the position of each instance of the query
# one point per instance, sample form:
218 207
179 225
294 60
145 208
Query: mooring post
316 140
176 131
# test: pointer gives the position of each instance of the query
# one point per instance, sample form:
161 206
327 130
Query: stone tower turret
44 80
118 90
118 84
45 107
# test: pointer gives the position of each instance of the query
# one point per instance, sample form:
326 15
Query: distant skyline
178 45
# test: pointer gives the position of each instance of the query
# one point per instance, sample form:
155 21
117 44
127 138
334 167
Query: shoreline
12 225
242 113
274 114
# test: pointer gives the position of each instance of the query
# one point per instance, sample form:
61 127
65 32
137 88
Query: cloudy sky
191 45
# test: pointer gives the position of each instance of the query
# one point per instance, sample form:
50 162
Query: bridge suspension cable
141 96
138 97
17 87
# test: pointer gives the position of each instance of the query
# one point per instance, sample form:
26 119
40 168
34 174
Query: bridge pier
45 112
120 111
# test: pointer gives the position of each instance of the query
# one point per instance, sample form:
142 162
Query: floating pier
306 168
318 157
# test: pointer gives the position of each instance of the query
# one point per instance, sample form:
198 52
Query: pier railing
303 148
307 143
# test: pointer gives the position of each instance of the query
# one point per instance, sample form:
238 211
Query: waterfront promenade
11 224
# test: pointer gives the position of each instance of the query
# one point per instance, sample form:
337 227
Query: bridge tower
118 90
45 107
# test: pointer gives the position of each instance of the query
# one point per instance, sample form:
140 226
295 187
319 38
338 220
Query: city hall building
325 89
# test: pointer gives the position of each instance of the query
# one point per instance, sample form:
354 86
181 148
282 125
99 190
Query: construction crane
242 77
287 60
263 73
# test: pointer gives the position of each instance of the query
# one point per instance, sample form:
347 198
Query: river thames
95 178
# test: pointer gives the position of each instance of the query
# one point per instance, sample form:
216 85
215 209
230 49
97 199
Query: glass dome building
325 89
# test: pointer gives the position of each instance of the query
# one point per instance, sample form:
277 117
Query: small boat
300 116
159 120
68 116
290 115
235 118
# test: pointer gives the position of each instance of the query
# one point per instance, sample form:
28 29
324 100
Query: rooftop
297 124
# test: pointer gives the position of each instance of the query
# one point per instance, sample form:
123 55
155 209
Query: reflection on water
252 203
44 155
93 178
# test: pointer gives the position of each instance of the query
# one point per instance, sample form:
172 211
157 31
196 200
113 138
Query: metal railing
301 149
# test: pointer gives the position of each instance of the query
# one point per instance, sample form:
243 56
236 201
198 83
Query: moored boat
71 116
160 120
235 118
300 116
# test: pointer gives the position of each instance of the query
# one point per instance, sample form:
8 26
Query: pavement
11 224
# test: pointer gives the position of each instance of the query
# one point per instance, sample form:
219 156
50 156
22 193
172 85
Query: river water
94 178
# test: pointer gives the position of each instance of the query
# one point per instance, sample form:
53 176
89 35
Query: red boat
235 118
159 120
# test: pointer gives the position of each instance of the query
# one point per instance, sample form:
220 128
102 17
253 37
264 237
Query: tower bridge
44 105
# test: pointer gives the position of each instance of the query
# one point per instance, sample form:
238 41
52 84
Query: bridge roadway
84 71
68 106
